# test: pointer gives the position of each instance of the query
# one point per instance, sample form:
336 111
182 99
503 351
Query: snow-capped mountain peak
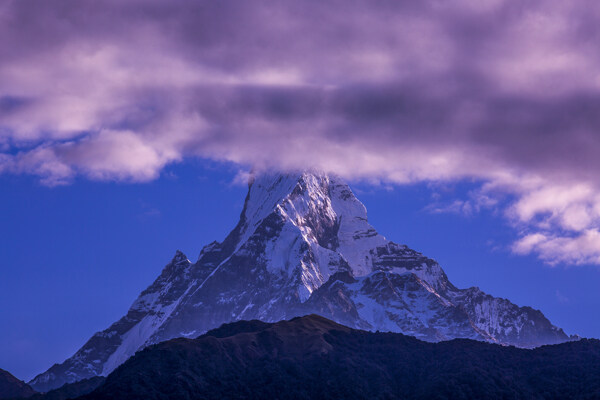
303 245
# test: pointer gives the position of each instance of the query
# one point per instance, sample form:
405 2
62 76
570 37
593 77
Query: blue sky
75 257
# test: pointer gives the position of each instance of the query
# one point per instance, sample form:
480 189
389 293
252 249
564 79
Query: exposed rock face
303 245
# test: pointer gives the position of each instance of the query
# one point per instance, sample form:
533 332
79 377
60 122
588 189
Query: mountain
69 390
11 387
303 245
312 357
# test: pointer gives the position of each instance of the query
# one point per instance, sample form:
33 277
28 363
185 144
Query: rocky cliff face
303 245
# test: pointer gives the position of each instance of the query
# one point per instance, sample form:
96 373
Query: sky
470 129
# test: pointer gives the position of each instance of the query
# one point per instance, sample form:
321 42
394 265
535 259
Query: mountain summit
304 245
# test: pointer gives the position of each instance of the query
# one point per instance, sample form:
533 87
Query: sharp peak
267 189
270 190
285 183
297 175
179 257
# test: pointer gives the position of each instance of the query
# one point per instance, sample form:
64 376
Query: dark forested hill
312 357
13 387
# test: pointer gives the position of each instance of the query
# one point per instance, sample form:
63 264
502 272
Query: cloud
497 92
456 207
476 201
581 249
561 298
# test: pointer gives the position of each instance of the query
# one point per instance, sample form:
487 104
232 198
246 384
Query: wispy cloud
475 201
561 298
576 249
500 92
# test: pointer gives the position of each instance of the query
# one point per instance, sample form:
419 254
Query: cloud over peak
504 93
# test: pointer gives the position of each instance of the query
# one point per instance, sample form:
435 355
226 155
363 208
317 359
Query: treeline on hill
312 357
65 392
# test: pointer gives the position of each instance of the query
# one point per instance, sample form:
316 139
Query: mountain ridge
313 357
12 387
297 234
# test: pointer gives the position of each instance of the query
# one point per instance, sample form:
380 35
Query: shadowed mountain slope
312 357
11 387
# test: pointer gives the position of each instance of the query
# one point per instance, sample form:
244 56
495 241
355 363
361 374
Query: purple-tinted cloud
502 92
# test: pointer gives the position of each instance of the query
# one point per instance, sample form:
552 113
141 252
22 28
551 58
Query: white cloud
580 249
